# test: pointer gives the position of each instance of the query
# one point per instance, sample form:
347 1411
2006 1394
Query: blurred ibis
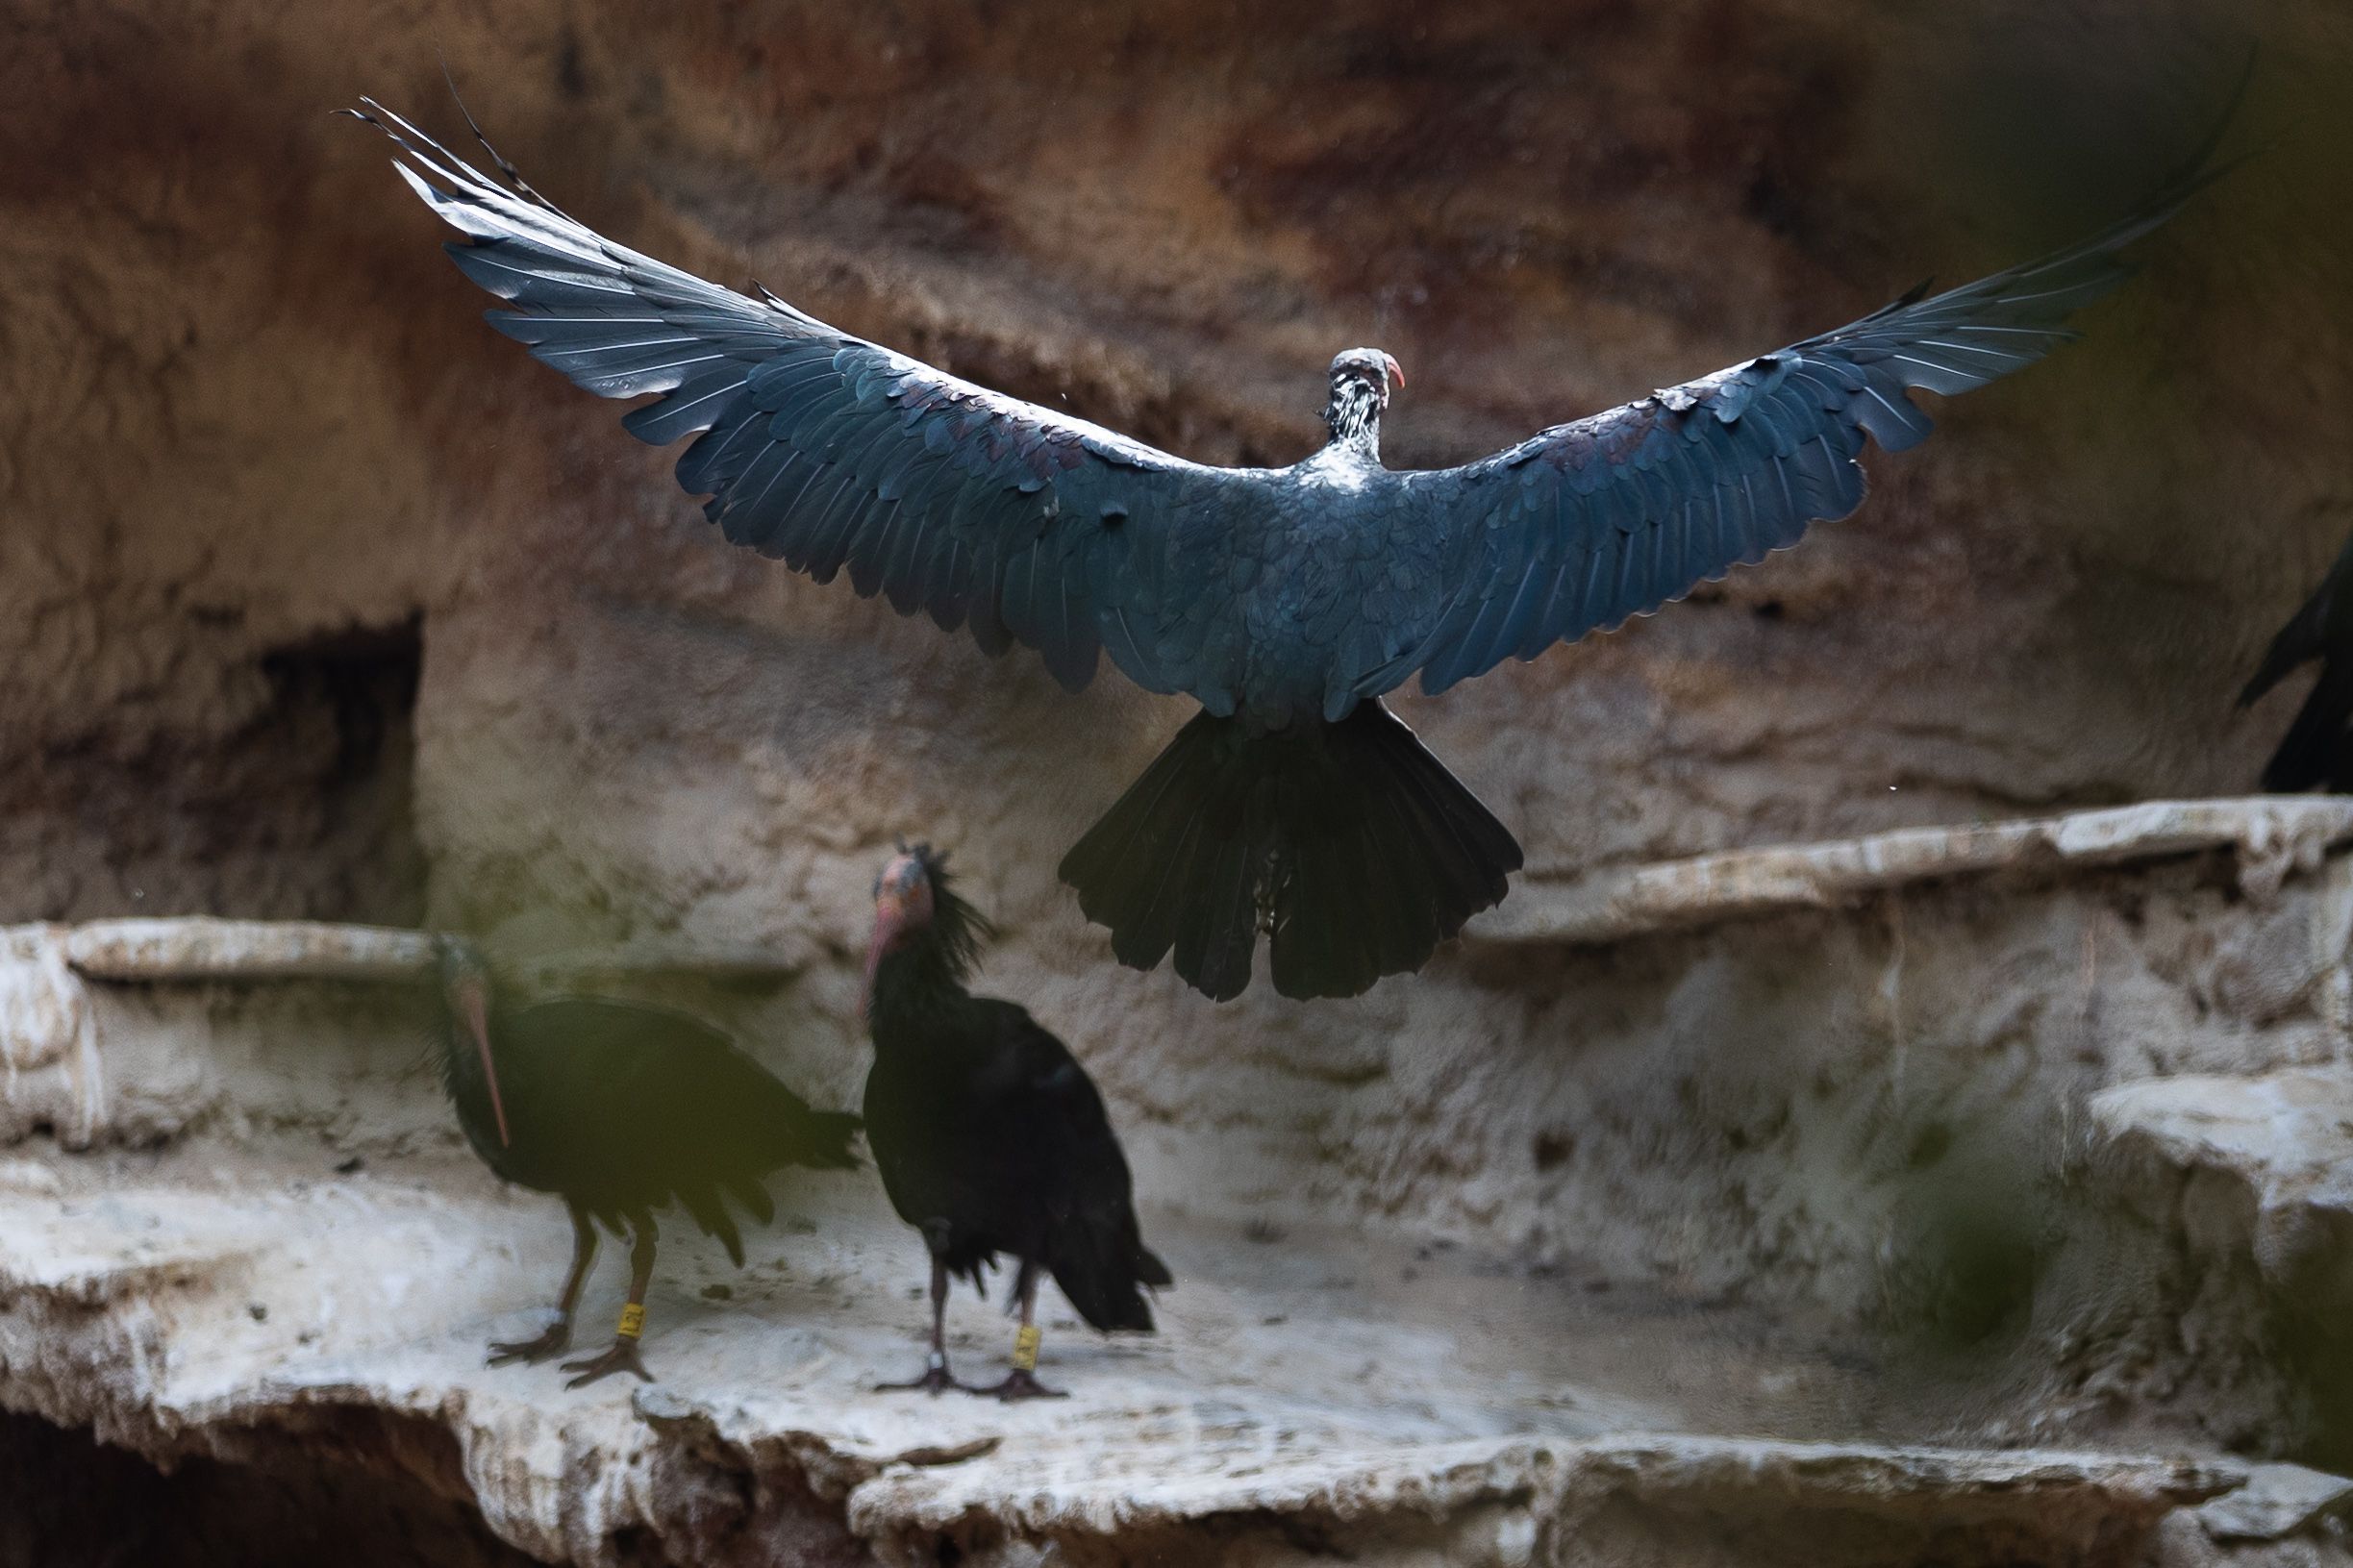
619 1108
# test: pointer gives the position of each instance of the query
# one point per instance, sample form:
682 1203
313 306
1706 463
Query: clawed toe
935 1382
621 1357
554 1342
1021 1385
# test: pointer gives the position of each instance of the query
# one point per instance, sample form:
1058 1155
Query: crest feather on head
957 928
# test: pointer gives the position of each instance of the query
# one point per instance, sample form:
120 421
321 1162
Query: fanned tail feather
1349 844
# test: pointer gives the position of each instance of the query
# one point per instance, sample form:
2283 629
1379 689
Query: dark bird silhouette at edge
1286 601
989 1135
2316 752
619 1108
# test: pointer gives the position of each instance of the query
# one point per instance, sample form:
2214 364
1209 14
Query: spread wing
1589 523
831 452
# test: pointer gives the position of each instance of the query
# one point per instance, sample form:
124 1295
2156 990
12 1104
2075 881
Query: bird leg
1021 1383
622 1356
936 1378
558 1336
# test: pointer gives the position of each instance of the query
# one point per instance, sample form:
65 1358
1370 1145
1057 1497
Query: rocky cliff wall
320 599
317 598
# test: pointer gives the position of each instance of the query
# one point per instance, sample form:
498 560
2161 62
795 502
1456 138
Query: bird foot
1019 1385
621 1357
554 1342
935 1382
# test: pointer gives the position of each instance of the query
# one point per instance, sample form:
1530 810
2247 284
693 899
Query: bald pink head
903 907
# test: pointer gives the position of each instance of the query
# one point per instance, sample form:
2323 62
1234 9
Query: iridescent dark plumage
989 1135
2316 752
1286 601
620 1108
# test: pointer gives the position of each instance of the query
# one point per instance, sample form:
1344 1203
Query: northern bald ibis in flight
1286 601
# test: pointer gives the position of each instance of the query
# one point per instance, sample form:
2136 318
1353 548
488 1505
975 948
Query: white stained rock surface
2283 1138
2286 1134
2276 1500
1480 1417
55 1077
1685 1330
2272 835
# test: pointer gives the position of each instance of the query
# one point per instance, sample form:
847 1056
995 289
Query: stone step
2269 834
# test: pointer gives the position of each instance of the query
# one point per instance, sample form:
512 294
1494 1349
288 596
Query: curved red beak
890 920
1396 371
477 1022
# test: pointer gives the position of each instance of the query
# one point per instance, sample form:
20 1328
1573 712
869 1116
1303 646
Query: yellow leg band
633 1321
1025 1348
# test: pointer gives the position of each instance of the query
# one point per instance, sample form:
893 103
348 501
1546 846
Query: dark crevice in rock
301 810
67 1501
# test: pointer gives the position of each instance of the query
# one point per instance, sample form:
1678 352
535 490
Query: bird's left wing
829 451
1587 524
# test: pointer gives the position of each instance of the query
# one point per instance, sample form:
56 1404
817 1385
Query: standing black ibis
619 1108
2316 752
989 1136
1286 601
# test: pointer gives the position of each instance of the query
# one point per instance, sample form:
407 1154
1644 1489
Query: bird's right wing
831 452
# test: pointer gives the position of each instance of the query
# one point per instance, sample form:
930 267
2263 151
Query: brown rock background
317 597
